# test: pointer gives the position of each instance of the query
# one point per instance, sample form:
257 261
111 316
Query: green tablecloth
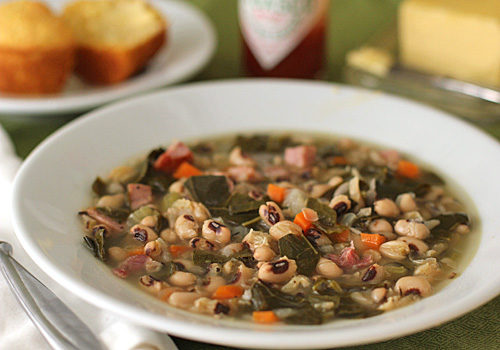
351 23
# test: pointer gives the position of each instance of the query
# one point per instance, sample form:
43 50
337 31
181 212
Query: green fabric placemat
351 23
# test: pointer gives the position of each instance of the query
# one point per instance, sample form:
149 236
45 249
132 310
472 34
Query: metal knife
58 324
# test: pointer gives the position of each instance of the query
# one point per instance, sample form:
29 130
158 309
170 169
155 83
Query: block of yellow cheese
455 38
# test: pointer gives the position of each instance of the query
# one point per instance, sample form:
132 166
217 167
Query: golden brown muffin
37 49
116 38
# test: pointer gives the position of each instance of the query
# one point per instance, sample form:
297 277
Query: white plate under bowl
190 45
54 183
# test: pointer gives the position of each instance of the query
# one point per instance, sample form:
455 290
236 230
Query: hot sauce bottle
283 38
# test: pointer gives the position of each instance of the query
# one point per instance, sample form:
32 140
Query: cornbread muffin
36 49
116 38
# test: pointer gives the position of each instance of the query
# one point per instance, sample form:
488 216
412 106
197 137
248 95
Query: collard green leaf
91 244
306 314
448 222
236 219
238 232
118 214
263 143
350 309
327 217
204 257
242 203
99 186
96 243
325 286
301 250
265 297
165 272
246 257
211 190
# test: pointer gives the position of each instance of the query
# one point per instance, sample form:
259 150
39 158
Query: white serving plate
191 42
54 183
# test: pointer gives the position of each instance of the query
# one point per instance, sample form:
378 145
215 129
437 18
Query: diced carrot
339 160
301 220
265 317
341 236
177 250
136 251
372 240
276 193
228 292
408 169
186 170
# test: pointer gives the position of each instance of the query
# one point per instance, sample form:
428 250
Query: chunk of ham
136 263
390 156
139 195
243 173
350 260
113 225
169 160
300 156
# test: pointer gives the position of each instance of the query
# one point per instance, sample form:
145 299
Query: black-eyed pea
182 279
327 268
386 207
114 188
214 269
298 284
210 306
374 274
341 204
216 232
373 254
237 157
283 228
143 233
280 271
379 295
230 267
177 186
412 228
415 244
169 235
211 283
380 226
151 284
150 220
153 249
395 250
244 275
462 229
413 285
87 221
317 236
320 189
112 201
183 300
201 243
255 239
230 249
186 227
406 202
263 253
117 254
152 266
271 213
430 269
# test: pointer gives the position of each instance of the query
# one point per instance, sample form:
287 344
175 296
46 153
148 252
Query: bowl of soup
267 213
